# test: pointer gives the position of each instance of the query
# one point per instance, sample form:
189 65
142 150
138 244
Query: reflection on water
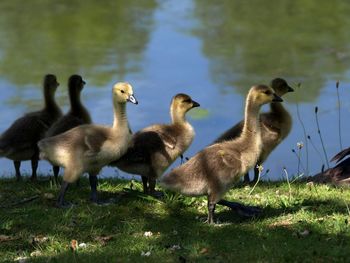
251 41
98 39
214 51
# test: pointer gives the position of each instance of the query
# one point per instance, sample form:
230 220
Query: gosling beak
290 89
276 98
195 104
84 82
132 99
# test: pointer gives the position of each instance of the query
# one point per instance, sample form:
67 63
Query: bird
19 141
337 175
77 115
89 147
154 148
213 170
275 126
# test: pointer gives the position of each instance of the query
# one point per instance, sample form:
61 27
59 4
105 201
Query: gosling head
76 83
122 93
50 83
182 103
262 94
280 86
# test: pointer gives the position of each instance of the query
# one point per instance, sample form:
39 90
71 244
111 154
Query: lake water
211 50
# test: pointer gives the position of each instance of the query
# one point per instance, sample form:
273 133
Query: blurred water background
212 50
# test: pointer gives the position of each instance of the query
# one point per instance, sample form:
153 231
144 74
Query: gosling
77 115
89 147
216 168
275 126
155 148
19 141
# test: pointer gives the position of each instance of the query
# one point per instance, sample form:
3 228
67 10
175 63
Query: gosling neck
251 118
74 97
49 98
278 108
120 118
177 117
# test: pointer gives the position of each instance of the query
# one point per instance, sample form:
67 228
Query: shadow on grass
178 233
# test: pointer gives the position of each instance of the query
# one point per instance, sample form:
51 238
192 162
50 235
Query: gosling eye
187 100
122 91
268 92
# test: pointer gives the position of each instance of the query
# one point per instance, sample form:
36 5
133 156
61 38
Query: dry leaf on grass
74 244
49 196
40 239
304 233
103 239
36 253
4 238
284 223
204 251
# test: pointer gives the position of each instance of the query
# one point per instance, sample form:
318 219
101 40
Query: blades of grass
287 177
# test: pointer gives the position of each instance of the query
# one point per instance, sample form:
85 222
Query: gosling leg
144 183
152 188
34 162
17 165
93 185
60 201
211 210
246 178
56 170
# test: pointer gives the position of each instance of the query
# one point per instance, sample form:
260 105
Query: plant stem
339 119
304 131
257 181
299 161
319 133
315 148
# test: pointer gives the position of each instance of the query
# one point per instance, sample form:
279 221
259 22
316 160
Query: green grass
308 224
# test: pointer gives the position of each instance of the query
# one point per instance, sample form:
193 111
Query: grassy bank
302 223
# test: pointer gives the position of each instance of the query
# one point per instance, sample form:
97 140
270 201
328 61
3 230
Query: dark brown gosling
275 126
89 147
155 148
216 168
19 141
77 115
